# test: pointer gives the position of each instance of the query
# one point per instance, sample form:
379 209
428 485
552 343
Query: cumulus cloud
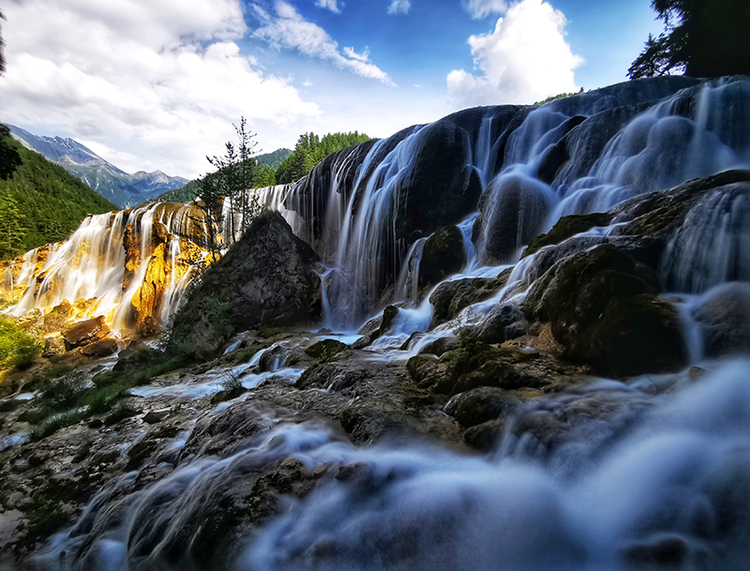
332 5
152 85
523 60
399 7
291 31
482 8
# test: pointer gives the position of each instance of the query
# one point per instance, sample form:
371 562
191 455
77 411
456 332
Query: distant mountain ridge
123 189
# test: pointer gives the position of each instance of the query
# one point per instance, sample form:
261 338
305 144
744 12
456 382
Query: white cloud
291 31
399 7
332 5
523 60
363 57
155 85
482 8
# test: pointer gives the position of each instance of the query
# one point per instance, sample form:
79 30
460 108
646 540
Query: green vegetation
17 347
218 315
310 150
68 399
45 516
266 177
40 203
702 39
558 96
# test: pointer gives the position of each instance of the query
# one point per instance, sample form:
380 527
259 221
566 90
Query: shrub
17 347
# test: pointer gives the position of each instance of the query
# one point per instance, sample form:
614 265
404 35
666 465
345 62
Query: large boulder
85 332
266 279
604 310
512 211
437 187
442 256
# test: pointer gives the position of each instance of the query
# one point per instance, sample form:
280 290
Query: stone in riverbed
603 309
85 332
265 279
101 348
480 405
725 319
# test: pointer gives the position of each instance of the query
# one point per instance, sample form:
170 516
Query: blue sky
156 84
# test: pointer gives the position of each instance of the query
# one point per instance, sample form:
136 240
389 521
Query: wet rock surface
266 279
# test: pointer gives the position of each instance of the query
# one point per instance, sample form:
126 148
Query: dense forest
310 150
40 202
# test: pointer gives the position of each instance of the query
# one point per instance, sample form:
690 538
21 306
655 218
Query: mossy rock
603 309
326 349
566 227
450 298
480 405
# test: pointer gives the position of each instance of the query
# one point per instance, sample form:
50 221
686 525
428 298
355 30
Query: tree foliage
700 38
310 150
233 183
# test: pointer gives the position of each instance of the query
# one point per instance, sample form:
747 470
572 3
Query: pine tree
703 38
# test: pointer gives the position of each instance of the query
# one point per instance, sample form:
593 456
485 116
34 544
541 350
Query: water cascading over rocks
635 200
129 267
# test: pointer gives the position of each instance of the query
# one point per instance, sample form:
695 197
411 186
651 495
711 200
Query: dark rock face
267 278
504 321
566 227
439 188
512 211
443 255
480 405
725 319
603 309
451 297
85 332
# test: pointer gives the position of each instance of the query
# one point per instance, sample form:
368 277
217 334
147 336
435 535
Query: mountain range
119 187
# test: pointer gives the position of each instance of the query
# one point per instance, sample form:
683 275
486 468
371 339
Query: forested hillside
39 201
311 149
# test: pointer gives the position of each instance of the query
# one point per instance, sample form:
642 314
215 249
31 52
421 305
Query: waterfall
101 268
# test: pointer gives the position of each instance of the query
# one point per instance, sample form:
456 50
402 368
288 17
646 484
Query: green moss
326 350
52 424
45 516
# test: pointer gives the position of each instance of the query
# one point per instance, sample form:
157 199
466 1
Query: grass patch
231 388
69 400
53 423
17 347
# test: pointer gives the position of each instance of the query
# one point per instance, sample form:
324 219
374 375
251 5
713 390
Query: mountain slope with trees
40 202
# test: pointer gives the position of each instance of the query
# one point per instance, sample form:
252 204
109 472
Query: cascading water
651 473
101 268
678 135
656 482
